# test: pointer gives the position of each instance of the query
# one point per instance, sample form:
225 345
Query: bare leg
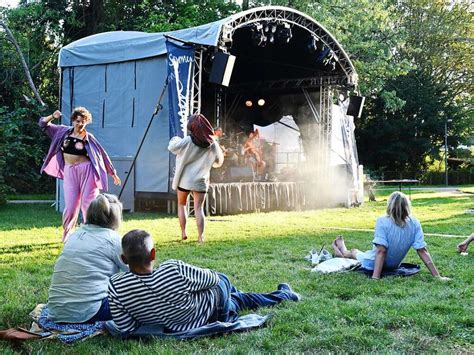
337 251
341 245
182 213
199 198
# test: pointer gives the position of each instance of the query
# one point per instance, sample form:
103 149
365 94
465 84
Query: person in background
176 295
77 157
195 154
78 291
395 233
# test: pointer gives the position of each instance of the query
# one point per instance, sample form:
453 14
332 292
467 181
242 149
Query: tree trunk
23 62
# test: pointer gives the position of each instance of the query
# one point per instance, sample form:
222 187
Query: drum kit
243 158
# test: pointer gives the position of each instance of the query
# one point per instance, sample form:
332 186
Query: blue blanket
405 269
243 323
68 332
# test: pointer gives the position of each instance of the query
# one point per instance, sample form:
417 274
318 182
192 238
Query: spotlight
258 36
283 33
313 44
249 103
323 54
261 102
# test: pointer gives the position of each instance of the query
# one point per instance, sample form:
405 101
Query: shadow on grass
28 248
20 217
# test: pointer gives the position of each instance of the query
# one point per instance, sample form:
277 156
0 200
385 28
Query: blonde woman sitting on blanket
78 292
394 234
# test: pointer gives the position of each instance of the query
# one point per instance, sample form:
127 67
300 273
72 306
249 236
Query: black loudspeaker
222 69
356 103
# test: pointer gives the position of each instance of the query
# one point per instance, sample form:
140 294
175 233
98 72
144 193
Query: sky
9 3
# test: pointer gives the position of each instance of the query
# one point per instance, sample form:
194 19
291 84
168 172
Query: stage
248 197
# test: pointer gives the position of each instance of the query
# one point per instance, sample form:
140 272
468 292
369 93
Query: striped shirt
176 295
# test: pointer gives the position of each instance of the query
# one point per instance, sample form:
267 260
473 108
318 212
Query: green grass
339 312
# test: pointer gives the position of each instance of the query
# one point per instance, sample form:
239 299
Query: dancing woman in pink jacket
76 156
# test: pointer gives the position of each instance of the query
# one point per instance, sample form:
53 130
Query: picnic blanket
243 323
404 270
65 332
69 332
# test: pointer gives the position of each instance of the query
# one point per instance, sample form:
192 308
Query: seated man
176 295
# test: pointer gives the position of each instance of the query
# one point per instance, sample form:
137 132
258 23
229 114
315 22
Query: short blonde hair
398 208
105 211
83 112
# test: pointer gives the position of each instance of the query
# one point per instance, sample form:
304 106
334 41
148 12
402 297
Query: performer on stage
196 154
254 153
76 156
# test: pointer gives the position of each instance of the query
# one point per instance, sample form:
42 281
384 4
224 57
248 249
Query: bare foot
184 237
340 244
337 252
200 240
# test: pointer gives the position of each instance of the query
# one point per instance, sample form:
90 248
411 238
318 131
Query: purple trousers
80 188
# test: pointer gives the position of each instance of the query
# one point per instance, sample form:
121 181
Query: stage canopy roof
121 46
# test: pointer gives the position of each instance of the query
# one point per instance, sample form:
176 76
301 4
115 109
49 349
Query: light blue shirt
396 239
81 274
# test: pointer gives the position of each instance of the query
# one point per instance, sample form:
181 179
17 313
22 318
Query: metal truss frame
326 94
197 81
303 83
295 18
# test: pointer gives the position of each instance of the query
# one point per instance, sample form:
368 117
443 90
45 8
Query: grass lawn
339 312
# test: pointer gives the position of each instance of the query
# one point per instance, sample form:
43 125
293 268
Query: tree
438 87
41 28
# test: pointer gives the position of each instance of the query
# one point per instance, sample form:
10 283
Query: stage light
283 33
323 54
258 36
313 44
249 103
261 102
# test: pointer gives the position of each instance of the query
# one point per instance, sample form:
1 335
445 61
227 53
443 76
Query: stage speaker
356 103
221 70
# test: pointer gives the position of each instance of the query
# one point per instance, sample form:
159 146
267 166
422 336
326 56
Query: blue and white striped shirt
176 295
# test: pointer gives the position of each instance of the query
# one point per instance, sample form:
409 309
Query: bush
22 148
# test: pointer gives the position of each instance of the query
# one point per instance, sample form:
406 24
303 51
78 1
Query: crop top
74 146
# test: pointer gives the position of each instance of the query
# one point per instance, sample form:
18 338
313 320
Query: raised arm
426 257
176 144
46 125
